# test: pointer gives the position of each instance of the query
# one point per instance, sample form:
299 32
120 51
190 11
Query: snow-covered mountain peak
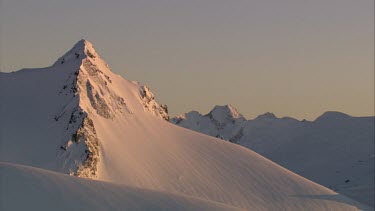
98 87
190 114
82 49
225 113
193 115
266 115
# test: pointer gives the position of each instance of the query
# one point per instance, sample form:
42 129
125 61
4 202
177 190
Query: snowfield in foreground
25 188
78 118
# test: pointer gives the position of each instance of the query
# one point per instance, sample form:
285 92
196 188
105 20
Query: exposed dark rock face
151 105
102 98
97 102
87 133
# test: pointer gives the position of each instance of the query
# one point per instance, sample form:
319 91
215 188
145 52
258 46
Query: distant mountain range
336 150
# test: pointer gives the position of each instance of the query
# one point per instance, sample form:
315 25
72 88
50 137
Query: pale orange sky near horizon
293 58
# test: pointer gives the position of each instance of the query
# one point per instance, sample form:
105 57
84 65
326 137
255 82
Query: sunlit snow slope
79 118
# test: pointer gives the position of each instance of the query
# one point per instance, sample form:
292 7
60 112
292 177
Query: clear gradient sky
294 58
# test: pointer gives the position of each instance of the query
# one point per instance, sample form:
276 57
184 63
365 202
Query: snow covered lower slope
79 118
25 188
335 150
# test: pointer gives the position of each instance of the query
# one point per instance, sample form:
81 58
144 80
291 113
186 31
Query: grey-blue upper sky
292 57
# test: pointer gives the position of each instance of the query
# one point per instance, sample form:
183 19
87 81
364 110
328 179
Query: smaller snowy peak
192 115
266 116
224 113
82 49
332 116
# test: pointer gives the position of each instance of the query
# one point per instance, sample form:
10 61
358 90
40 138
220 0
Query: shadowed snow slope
25 188
79 118
336 150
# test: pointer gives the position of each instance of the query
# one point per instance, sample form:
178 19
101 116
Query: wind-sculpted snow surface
79 118
335 150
